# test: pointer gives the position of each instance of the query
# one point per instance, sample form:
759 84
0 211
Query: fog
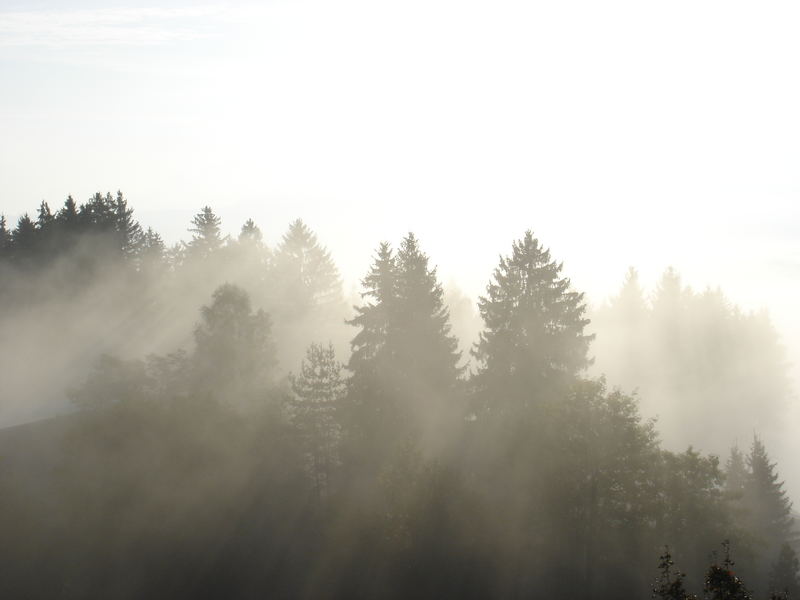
369 300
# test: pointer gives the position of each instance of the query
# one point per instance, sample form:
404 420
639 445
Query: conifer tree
374 319
250 233
721 583
305 270
736 475
23 238
784 580
426 350
319 389
5 237
129 232
669 585
98 215
630 299
533 339
404 360
152 251
67 217
770 510
206 234
45 217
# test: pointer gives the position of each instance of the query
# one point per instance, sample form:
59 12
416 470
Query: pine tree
736 475
534 340
785 574
68 217
98 215
129 232
319 389
206 234
669 585
152 251
768 504
23 239
305 270
404 360
630 304
425 351
45 217
5 237
721 582
250 233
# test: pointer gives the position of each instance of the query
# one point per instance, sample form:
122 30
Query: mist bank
238 429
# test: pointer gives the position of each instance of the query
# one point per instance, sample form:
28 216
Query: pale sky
623 133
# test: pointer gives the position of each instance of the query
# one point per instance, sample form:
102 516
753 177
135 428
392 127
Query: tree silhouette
319 388
234 358
206 234
305 270
534 338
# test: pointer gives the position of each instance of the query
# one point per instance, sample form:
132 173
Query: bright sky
623 133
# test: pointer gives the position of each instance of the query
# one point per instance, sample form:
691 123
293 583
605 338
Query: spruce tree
318 389
152 251
250 233
67 217
305 270
23 239
784 580
369 348
45 217
533 340
736 475
669 585
128 230
206 233
5 237
769 507
425 351
99 214
404 360
721 583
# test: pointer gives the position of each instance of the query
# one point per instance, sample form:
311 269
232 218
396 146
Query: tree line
392 471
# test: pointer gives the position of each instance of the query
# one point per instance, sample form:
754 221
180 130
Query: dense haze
244 376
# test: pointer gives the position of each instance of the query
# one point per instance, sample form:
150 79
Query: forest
235 426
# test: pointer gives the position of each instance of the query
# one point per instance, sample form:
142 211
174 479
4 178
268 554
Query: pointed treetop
206 233
250 233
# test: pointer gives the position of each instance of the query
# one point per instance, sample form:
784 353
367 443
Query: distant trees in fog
210 472
695 359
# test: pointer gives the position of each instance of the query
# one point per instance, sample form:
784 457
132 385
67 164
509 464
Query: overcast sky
623 133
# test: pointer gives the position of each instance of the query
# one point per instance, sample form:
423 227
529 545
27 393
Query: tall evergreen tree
784 580
425 352
250 233
68 217
206 233
370 351
305 270
404 360
23 239
534 338
5 237
152 251
736 475
45 217
319 389
98 215
129 232
769 506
